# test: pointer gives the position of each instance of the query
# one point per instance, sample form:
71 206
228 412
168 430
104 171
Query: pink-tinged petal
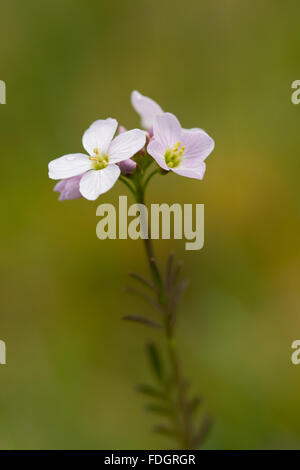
121 129
126 145
157 151
146 108
196 173
193 129
68 188
127 166
99 135
96 182
167 129
69 165
198 145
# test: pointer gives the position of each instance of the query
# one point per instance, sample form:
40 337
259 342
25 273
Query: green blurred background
226 66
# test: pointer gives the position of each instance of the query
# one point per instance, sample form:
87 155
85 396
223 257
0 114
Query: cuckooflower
146 108
68 188
180 150
126 166
99 169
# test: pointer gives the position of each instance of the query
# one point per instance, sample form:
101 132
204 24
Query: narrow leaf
144 320
165 431
194 404
178 294
158 409
168 280
143 280
145 297
155 361
203 431
176 272
150 391
156 271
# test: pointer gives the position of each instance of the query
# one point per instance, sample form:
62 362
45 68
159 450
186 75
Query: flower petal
197 173
127 166
99 135
121 129
68 188
68 166
157 151
198 145
193 129
125 145
167 129
146 108
96 182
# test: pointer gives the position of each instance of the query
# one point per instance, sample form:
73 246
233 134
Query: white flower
99 168
180 150
146 108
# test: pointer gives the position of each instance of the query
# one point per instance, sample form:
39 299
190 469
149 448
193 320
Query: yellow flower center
100 160
173 156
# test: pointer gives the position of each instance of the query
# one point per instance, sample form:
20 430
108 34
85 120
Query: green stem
163 298
184 423
140 199
150 176
124 181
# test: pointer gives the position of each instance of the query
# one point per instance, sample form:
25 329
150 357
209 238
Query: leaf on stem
150 391
159 409
194 404
165 431
143 320
176 272
203 431
145 297
155 266
143 280
155 361
178 294
168 280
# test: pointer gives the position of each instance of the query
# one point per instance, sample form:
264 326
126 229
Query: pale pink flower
180 150
99 169
146 108
68 188
127 167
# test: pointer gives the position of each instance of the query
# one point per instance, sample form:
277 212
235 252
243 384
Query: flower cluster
174 148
